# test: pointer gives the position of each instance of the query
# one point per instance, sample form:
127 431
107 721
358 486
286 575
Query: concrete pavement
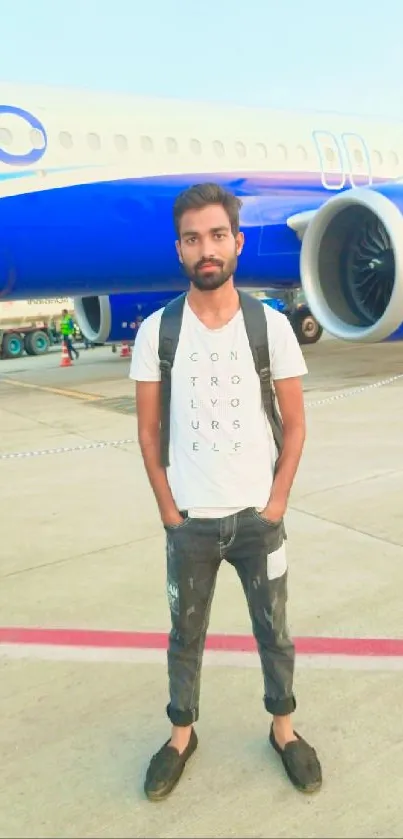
82 547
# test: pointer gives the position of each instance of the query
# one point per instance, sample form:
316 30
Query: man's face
207 248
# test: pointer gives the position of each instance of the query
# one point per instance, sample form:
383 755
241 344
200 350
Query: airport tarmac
84 617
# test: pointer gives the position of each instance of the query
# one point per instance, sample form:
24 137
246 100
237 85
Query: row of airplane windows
172 146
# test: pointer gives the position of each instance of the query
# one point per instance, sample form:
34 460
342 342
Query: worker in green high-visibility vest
67 331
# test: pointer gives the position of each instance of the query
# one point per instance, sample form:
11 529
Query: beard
219 273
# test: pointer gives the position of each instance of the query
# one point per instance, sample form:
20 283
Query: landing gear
292 304
306 327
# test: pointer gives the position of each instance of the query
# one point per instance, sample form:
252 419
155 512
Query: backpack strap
170 327
256 330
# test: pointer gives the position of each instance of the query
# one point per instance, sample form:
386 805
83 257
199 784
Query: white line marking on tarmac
103 444
42 652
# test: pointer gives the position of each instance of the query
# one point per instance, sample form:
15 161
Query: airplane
88 180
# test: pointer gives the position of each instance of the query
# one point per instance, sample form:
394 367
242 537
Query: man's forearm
288 462
150 449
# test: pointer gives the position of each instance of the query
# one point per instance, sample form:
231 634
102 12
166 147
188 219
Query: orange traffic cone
65 360
125 351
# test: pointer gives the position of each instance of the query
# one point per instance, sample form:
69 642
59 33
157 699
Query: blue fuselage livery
116 236
87 184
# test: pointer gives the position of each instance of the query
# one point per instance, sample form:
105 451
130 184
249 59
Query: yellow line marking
76 394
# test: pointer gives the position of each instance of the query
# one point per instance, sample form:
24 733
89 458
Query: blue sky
288 53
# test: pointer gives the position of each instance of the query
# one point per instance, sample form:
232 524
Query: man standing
67 331
223 496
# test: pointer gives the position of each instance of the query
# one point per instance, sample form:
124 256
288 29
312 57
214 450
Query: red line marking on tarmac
117 639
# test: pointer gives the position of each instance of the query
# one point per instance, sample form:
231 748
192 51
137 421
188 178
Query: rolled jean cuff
280 707
182 718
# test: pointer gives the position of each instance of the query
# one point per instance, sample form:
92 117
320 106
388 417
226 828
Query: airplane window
281 152
218 148
171 144
301 153
261 150
358 157
6 138
240 149
147 144
37 138
94 141
121 142
195 146
330 155
377 157
65 139
393 158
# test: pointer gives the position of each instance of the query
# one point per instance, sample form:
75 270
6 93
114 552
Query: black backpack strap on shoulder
170 327
256 330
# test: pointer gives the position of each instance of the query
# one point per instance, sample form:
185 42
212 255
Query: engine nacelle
113 318
352 265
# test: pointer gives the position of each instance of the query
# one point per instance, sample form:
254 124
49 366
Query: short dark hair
201 195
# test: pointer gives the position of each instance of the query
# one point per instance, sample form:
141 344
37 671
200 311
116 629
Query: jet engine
352 265
113 318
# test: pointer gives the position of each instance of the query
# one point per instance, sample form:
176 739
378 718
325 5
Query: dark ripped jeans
195 550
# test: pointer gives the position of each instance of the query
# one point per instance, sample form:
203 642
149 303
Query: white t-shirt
222 453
